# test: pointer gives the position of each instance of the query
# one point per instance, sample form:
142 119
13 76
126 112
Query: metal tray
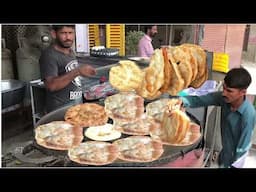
13 92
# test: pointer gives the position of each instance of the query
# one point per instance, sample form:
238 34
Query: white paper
239 163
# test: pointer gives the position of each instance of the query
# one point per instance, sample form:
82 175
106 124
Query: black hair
59 27
238 78
147 27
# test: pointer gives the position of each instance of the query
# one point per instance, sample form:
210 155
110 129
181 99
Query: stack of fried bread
175 124
171 69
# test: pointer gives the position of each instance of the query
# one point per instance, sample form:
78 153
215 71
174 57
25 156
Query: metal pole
216 125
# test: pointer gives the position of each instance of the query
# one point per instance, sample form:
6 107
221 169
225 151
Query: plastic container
27 59
220 62
27 62
12 92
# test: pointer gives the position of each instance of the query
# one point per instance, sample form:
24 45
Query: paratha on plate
124 106
93 153
139 149
141 126
58 135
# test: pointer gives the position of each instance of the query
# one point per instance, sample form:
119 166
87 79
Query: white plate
102 133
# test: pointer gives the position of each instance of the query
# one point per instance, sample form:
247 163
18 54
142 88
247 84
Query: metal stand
211 109
38 94
216 126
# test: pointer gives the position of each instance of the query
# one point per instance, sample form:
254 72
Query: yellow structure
94 36
220 62
115 37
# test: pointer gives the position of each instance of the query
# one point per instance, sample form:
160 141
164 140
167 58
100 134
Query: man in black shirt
60 70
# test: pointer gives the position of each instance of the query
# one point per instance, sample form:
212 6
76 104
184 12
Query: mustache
224 97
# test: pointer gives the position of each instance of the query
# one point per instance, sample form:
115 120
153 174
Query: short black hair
59 27
147 27
238 78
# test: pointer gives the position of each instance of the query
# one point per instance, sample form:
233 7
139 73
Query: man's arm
60 82
214 98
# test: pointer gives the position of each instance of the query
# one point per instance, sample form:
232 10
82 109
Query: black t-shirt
54 63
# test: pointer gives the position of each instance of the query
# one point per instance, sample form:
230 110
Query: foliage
131 42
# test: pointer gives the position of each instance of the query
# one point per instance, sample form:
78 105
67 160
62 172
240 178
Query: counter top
99 61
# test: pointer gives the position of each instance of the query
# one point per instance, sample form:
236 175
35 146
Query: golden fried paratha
86 114
182 58
200 80
199 57
175 125
125 77
156 108
153 77
167 72
177 82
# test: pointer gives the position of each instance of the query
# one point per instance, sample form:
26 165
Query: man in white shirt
145 47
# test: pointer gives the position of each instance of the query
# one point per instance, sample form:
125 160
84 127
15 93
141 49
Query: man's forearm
60 82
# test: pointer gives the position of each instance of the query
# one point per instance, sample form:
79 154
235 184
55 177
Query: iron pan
170 152
13 92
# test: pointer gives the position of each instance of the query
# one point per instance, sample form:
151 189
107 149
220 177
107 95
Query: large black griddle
170 152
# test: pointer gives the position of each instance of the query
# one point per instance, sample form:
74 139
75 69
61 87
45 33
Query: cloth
145 47
240 162
99 91
55 63
236 126
208 87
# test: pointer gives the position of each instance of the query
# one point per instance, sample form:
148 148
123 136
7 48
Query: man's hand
86 70
174 103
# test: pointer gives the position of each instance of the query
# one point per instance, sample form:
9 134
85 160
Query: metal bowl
12 92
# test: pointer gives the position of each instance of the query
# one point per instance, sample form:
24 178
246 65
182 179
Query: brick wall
225 38
234 44
214 38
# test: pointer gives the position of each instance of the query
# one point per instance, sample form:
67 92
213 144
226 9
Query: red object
99 91
103 79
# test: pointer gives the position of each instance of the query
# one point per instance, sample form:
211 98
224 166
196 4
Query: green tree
131 42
